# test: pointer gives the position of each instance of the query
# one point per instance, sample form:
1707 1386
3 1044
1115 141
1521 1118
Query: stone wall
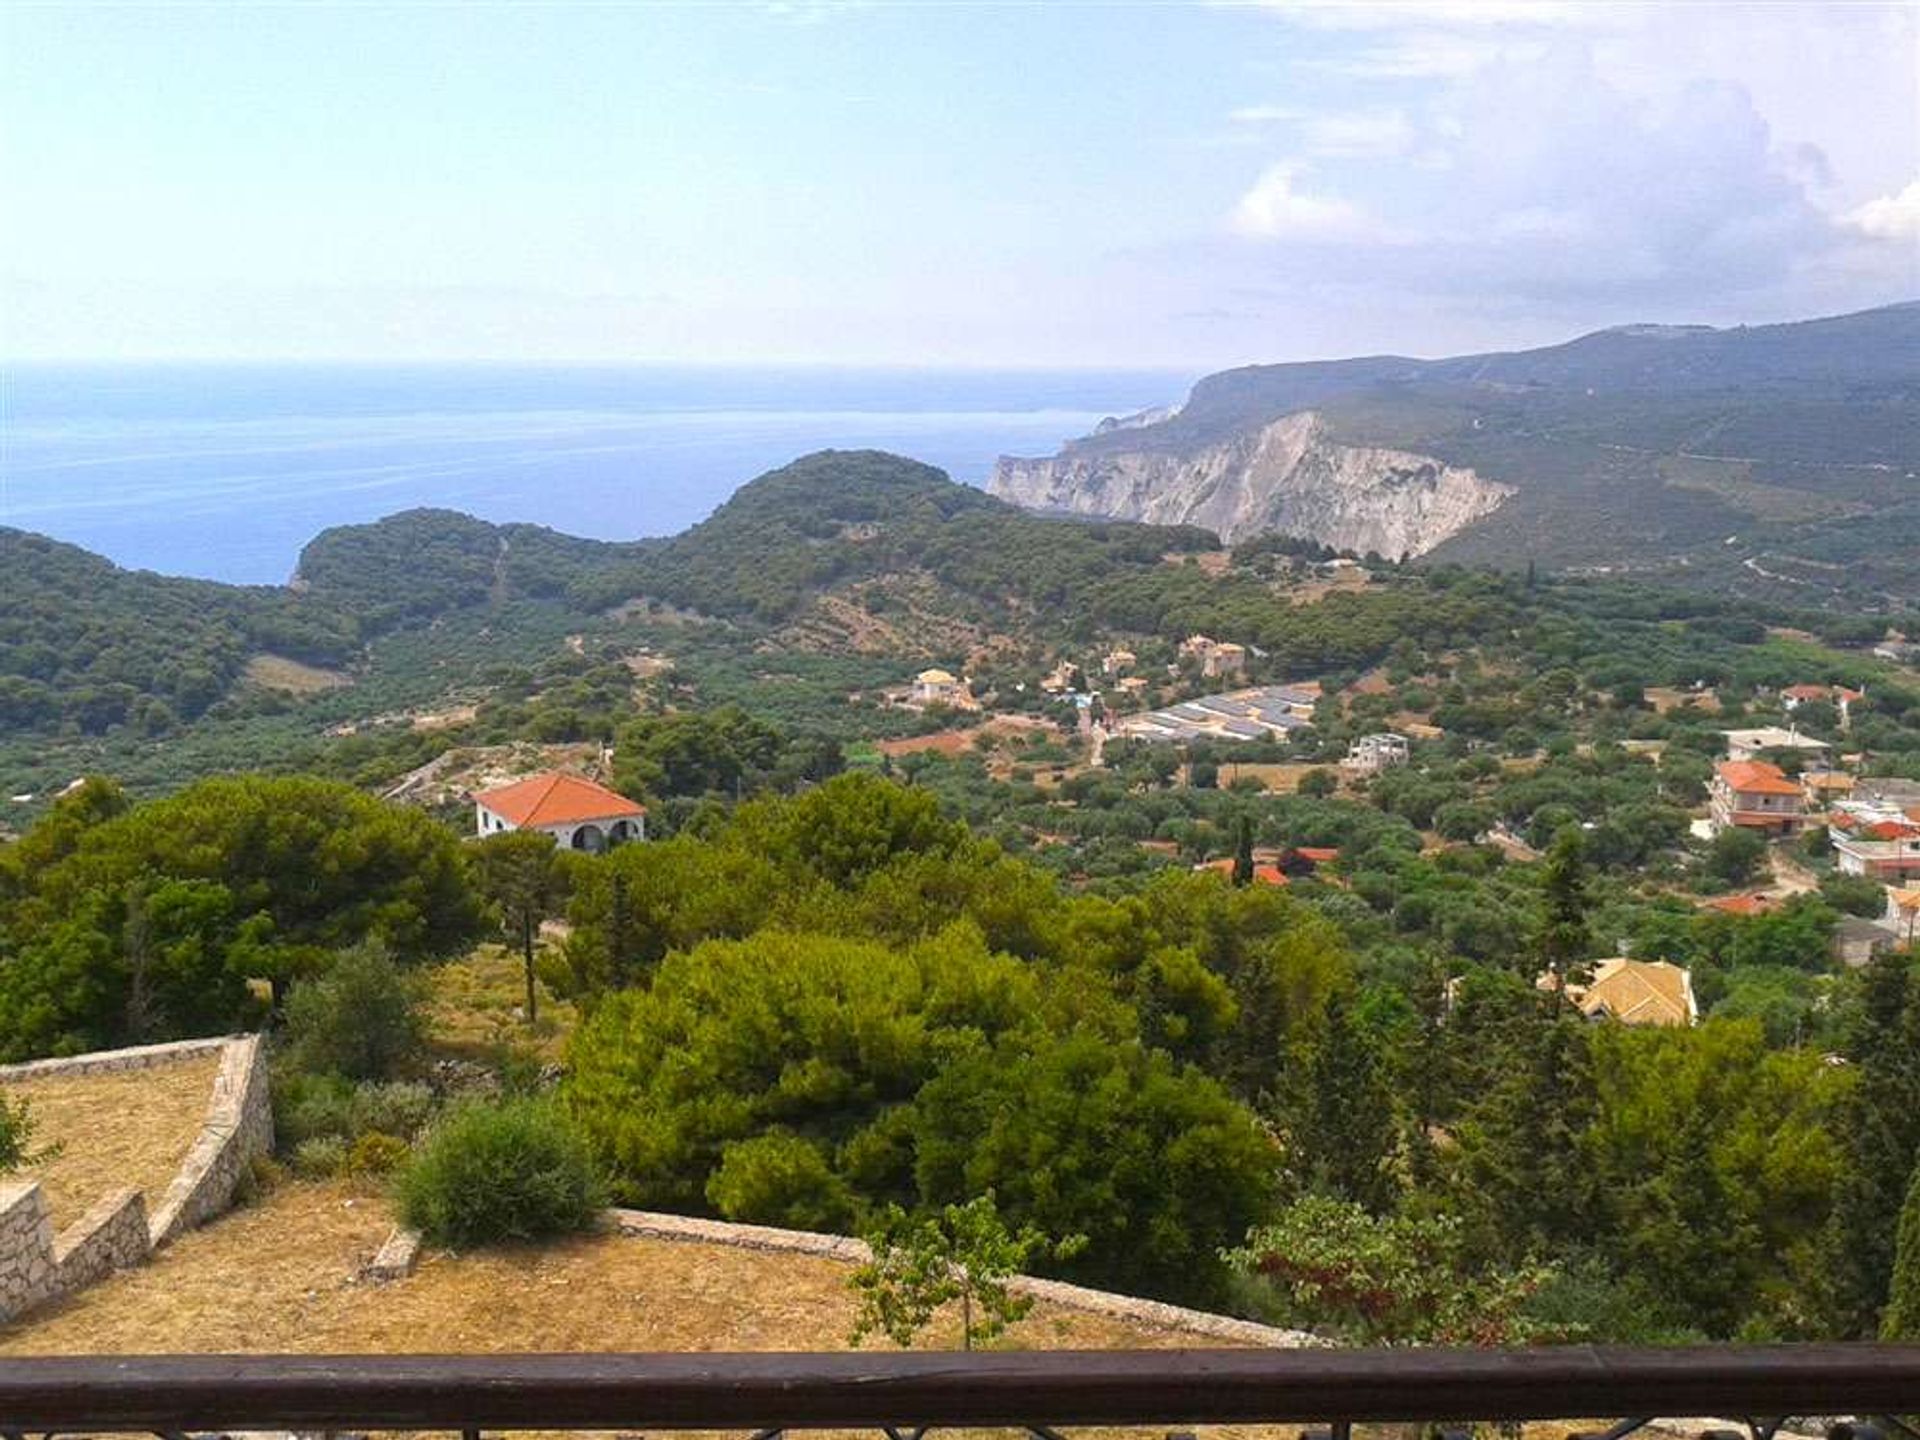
239 1127
107 1062
116 1232
111 1236
655 1226
27 1270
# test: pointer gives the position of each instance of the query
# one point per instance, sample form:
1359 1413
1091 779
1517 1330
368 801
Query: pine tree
1522 1149
1567 940
1342 1126
1879 1131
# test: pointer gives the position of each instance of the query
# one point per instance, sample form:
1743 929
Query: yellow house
940 687
1635 992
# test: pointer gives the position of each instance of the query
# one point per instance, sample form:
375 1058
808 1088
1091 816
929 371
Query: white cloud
1265 114
1275 209
1889 217
1360 133
1545 182
1391 14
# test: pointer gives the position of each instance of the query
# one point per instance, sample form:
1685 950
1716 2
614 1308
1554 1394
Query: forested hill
833 518
87 645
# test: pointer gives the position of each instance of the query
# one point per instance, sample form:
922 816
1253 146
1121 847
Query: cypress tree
1902 1318
1879 1132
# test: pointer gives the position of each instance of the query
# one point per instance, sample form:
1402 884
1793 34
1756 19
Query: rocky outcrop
1290 476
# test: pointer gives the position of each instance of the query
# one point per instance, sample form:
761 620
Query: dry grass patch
277 672
283 1275
474 1006
130 1128
1278 778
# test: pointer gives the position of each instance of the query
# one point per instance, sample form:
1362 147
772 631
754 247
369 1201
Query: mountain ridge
1637 447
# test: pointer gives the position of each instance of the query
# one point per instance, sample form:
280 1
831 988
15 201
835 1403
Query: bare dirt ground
115 1130
1664 698
277 672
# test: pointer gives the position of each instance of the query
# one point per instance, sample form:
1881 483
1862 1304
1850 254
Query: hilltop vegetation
825 1005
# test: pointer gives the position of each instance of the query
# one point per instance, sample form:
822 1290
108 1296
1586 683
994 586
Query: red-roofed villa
1755 795
578 813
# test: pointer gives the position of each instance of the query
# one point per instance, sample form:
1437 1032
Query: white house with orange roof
577 812
1755 795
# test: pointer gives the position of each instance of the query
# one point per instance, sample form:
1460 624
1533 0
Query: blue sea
225 471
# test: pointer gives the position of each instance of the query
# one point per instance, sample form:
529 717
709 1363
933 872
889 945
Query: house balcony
1855 1390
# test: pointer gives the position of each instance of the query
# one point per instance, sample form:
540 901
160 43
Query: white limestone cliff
1290 476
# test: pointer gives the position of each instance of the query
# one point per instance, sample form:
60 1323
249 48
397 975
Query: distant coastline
224 471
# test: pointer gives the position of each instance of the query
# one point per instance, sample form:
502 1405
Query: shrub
495 1171
361 1019
17 1128
779 1179
376 1153
310 1107
320 1158
400 1108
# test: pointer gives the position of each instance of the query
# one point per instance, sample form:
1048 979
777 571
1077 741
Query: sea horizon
223 470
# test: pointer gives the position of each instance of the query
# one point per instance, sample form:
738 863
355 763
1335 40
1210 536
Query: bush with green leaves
360 1019
1388 1280
780 1179
962 1252
307 1106
491 1172
17 1129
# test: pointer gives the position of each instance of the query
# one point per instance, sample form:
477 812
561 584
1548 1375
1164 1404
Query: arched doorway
590 838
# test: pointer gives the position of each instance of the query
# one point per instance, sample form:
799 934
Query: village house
1887 850
941 687
1265 872
1842 699
1060 679
1634 992
578 813
1755 796
1226 658
1903 916
1750 744
1371 754
1856 940
1118 662
1823 787
1216 657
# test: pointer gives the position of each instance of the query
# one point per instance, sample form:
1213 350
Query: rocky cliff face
1289 476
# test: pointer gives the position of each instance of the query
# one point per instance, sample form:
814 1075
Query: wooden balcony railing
1758 1386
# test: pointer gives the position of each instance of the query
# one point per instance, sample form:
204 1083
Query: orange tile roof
1743 904
557 798
1756 777
1806 692
1319 854
1263 874
1891 830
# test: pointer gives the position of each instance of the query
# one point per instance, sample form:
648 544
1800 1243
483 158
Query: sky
1152 185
